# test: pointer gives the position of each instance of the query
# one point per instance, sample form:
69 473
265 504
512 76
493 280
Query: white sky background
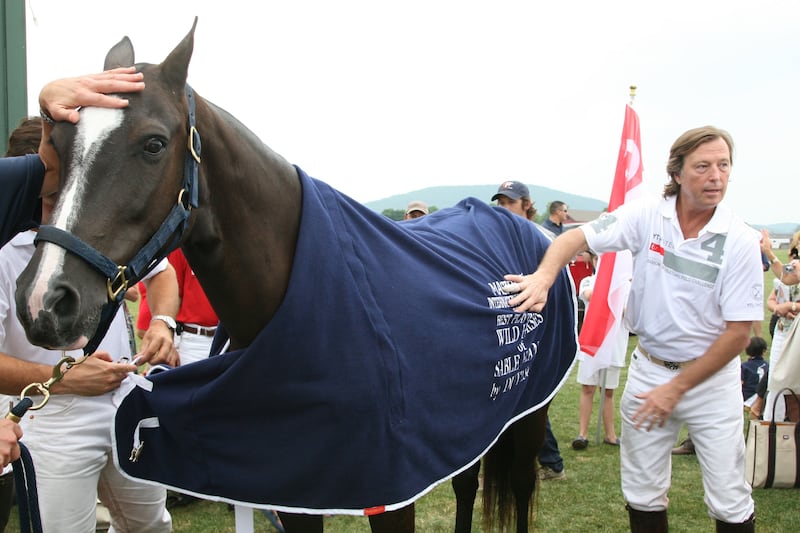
380 98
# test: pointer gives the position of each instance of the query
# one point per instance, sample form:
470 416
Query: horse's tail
509 473
498 498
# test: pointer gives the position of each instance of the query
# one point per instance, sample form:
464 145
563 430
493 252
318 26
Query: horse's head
120 176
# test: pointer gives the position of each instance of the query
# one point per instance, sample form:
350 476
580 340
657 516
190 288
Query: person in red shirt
196 321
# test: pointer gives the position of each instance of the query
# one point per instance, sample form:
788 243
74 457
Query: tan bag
785 372
773 455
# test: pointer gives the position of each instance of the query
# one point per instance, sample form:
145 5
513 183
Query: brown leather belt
672 365
206 332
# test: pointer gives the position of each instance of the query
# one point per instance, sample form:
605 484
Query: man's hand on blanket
158 346
95 375
531 292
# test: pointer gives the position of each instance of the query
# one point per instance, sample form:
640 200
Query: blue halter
165 239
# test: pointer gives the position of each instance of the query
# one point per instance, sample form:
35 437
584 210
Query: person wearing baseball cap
415 209
515 197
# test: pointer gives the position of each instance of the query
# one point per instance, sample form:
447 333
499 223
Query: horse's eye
154 146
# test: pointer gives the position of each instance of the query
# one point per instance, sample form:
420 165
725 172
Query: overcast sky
379 98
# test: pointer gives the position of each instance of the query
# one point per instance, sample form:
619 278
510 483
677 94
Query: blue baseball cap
513 189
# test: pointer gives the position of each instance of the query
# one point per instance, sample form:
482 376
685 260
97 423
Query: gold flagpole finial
633 93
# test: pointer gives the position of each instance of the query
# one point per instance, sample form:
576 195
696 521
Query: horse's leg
465 486
301 523
399 521
528 436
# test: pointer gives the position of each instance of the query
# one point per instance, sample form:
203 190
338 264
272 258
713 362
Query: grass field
589 499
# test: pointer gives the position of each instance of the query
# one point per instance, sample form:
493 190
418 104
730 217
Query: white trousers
712 411
70 443
192 347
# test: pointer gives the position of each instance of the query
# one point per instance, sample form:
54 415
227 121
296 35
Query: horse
243 213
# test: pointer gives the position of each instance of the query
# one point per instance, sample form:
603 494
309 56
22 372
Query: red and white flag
602 324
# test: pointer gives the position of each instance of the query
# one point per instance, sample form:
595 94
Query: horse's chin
78 344
60 343
45 332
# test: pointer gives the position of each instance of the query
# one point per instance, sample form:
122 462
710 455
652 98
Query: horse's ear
121 55
176 66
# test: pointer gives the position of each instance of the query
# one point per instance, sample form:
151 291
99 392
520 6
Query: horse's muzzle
52 320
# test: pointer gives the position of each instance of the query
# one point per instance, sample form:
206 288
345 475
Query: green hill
446 196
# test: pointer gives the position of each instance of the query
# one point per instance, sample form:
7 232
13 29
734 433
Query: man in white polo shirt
70 437
697 288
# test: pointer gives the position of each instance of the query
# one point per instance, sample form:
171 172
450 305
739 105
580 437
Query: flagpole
603 372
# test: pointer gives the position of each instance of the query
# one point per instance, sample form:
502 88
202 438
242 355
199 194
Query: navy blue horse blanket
393 363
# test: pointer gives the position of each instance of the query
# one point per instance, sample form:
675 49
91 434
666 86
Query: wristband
46 116
775 260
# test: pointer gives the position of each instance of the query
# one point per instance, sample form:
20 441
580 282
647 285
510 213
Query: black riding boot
647 521
748 526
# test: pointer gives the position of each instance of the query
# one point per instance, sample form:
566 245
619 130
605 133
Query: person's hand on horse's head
61 99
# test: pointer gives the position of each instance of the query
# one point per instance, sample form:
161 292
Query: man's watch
168 320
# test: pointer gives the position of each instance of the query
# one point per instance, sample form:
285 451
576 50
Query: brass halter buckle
44 388
118 284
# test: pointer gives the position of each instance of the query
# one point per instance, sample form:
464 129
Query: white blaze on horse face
94 127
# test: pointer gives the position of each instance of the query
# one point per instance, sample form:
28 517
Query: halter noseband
165 239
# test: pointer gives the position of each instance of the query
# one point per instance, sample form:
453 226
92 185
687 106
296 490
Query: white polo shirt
683 290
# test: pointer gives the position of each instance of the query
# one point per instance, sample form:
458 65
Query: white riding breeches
712 411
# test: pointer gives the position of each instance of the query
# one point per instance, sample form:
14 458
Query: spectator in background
516 197
609 377
776 266
754 369
558 215
580 268
415 209
197 321
773 263
783 301
144 316
793 245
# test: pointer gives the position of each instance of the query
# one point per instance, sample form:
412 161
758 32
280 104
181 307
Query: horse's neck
242 243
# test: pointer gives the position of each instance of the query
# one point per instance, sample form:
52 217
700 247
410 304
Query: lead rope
30 519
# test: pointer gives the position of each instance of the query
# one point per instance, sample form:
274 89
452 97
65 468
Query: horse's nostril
63 302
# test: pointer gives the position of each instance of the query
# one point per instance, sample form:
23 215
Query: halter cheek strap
165 239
